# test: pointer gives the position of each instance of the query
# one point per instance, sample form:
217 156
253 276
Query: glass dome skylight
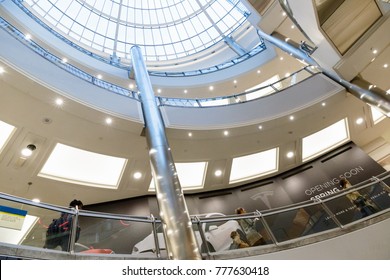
164 29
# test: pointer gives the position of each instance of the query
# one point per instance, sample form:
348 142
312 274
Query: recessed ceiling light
2 70
137 175
260 127
218 173
131 86
290 154
374 51
211 87
281 58
291 118
292 26
159 90
36 200
64 60
386 65
99 76
59 101
189 134
284 14
235 81
28 37
28 150
359 121
226 133
287 75
108 121
323 104
258 71
185 91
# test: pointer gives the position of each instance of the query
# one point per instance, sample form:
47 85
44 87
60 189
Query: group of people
251 236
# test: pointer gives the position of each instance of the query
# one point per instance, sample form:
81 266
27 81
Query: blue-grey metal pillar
179 236
380 101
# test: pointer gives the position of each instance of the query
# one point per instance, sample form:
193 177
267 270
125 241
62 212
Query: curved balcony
294 93
303 226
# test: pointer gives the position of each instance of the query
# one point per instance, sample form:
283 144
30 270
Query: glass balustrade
24 224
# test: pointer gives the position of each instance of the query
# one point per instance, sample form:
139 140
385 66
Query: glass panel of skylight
191 175
254 165
6 131
324 140
72 165
181 17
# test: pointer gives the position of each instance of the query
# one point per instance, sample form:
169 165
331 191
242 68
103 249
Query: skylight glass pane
254 165
186 20
191 175
325 140
82 167
6 131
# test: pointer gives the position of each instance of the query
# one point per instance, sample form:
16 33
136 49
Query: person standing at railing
360 201
59 230
253 237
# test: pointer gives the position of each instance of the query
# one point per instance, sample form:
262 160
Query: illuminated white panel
254 165
325 140
265 88
82 167
191 175
377 115
6 131
217 102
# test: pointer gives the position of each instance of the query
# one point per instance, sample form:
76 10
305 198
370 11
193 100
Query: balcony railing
141 237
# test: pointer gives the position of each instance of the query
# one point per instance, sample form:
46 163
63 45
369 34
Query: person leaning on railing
248 225
359 200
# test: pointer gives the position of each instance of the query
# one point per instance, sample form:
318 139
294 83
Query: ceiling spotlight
59 101
108 121
211 88
290 154
137 175
189 134
359 121
2 70
291 118
64 60
218 173
385 65
28 150
226 133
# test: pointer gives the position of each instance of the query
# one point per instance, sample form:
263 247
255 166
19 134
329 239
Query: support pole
374 98
179 236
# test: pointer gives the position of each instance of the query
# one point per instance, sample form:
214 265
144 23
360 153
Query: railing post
330 213
75 222
267 228
179 235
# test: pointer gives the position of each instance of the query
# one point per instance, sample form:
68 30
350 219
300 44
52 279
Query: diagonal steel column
179 235
374 98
